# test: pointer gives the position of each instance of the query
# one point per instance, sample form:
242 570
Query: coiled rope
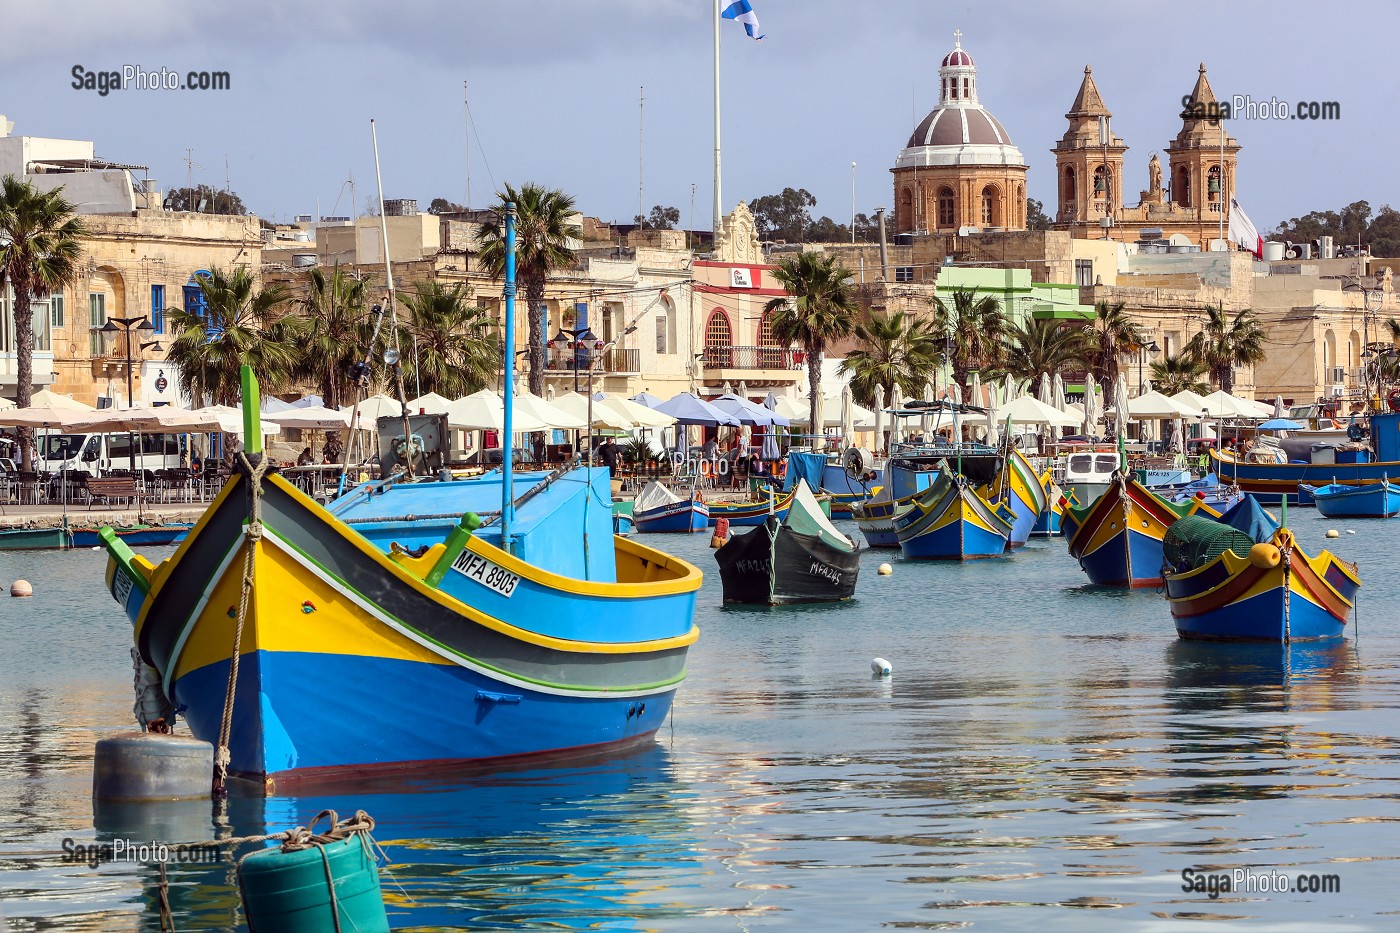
252 535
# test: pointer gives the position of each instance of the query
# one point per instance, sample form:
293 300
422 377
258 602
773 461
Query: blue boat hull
397 714
960 541
150 537
1127 559
1376 500
1049 524
1261 618
680 517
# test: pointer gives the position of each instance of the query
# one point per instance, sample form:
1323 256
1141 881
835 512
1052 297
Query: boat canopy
654 496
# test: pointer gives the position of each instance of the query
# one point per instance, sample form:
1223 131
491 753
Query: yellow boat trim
642 562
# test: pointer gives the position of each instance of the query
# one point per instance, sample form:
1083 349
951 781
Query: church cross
957 37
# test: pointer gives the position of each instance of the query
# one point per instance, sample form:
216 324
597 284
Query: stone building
137 258
1186 204
959 168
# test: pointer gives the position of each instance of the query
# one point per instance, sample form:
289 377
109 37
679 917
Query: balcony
612 360
757 361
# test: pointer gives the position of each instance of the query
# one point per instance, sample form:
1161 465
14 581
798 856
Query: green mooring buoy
287 892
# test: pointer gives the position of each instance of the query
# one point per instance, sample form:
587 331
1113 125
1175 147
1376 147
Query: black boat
801 559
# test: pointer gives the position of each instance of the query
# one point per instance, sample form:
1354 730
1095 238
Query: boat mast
508 389
393 314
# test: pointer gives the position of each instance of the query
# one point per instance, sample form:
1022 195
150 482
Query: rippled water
1047 756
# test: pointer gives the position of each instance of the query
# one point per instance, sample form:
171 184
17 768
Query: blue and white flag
742 11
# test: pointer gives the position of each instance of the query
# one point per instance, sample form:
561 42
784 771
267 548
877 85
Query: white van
99 453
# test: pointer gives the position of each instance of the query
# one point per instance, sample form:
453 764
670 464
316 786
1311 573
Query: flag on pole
742 11
1243 231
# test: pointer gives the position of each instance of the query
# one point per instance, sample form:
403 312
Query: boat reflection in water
600 842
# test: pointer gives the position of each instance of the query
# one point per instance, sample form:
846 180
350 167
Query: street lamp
1366 293
1143 350
143 328
581 339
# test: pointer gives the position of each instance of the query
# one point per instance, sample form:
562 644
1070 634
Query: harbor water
1046 756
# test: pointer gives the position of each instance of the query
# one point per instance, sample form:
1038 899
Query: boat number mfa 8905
492 576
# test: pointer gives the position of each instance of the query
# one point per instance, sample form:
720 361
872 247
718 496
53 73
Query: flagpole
718 211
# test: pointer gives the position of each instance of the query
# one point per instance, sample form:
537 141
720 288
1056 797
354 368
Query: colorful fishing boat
1051 521
751 512
503 638
1223 584
1117 538
801 558
658 509
1276 476
950 521
1367 500
1021 489
829 476
135 535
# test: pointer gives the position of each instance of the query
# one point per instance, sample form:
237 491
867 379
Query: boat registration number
121 586
490 575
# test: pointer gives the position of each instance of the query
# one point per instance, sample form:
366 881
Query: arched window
1071 190
991 207
1182 192
953 88
905 214
1020 208
1329 355
663 342
1103 186
719 340
1354 350
946 213
967 87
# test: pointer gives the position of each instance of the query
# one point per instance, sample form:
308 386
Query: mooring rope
253 534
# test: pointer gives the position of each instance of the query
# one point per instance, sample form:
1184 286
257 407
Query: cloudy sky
554 90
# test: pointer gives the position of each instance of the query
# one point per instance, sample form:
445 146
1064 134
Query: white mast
719 204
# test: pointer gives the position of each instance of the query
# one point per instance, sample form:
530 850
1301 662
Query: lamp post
1366 293
584 344
1143 350
143 328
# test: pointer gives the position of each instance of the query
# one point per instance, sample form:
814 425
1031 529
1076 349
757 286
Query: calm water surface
1047 756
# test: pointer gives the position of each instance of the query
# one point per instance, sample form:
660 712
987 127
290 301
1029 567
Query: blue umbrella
647 399
1280 424
749 412
691 409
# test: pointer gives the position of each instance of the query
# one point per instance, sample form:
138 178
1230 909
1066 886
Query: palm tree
820 308
898 349
457 350
971 329
337 331
1038 347
39 252
1225 342
1111 334
242 324
543 228
1178 373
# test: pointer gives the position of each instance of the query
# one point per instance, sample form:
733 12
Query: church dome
959 131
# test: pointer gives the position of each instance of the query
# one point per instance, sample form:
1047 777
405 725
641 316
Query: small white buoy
21 588
880 667
885 570
1350 532
97 547
1333 533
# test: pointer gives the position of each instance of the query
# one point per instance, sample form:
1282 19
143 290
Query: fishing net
1195 540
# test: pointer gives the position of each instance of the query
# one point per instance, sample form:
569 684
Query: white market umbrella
142 418
639 414
231 420
926 422
1057 392
974 391
1045 394
6 404
373 408
429 404
39 416
1279 410
486 412
1008 390
993 429
1091 407
312 418
1222 404
550 415
1191 400
1030 410
1154 404
604 415
46 397
848 415
955 391
880 417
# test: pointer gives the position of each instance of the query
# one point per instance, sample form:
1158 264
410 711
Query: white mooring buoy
885 570
21 588
152 766
1333 533
880 667
1350 532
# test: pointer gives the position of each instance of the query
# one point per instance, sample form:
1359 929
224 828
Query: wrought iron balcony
611 360
728 357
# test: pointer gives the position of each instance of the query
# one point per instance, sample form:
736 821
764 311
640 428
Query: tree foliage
660 218
820 308
1179 372
1043 347
39 253
1354 223
896 349
456 350
336 333
242 324
971 328
1036 218
543 231
444 206
1111 334
788 217
1226 341
215 200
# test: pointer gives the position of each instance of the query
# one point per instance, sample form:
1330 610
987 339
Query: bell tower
1203 156
1088 162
